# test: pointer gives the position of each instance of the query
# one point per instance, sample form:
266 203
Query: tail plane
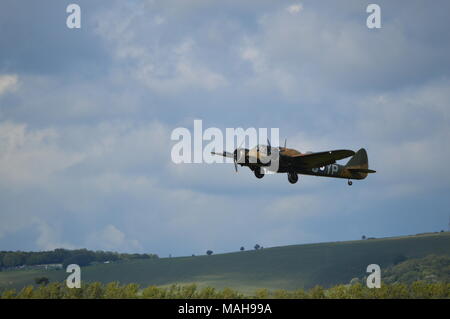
359 163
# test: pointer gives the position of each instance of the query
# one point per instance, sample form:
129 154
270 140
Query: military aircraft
259 160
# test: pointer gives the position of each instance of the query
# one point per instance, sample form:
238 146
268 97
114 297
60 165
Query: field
287 267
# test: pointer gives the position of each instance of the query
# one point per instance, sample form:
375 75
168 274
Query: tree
41 281
12 259
257 247
399 259
242 248
59 256
82 259
354 281
209 252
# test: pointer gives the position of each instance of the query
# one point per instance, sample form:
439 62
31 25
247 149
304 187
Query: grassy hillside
287 267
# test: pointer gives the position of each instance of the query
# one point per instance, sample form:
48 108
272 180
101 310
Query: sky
86 117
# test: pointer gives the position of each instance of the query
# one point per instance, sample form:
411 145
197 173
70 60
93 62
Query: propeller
269 148
224 154
235 154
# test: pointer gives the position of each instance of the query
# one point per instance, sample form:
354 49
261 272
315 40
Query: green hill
287 267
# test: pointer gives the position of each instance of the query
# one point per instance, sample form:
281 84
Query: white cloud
8 82
184 75
49 237
34 156
322 51
31 156
268 76
112 239
295 8
164 67
407 130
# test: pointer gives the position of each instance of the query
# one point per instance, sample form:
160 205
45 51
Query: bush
41 281
114 290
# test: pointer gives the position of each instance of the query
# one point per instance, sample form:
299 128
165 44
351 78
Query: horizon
238 250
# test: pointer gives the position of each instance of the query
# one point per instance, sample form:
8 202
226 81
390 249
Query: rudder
359 160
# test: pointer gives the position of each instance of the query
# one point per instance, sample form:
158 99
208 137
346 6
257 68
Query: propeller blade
269 148
235 160
224 154
235 155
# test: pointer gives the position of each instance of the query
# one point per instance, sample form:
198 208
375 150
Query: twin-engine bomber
260 160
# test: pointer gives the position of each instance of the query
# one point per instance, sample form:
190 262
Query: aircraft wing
319 159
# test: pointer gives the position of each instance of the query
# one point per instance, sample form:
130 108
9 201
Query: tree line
430 269
82 257
114 290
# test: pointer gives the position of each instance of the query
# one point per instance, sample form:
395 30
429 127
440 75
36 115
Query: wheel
350 183
292 177
258 173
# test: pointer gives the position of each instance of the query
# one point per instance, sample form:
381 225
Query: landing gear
292 177
350 183
258 173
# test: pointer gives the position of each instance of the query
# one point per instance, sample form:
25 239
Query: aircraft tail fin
358 165
358 161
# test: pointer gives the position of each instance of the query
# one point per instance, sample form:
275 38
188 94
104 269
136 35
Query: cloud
294 207
163 66
49 237
295 8
31 157
266 76
406 130
118 176
111 238
59 174
323 49
8 83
